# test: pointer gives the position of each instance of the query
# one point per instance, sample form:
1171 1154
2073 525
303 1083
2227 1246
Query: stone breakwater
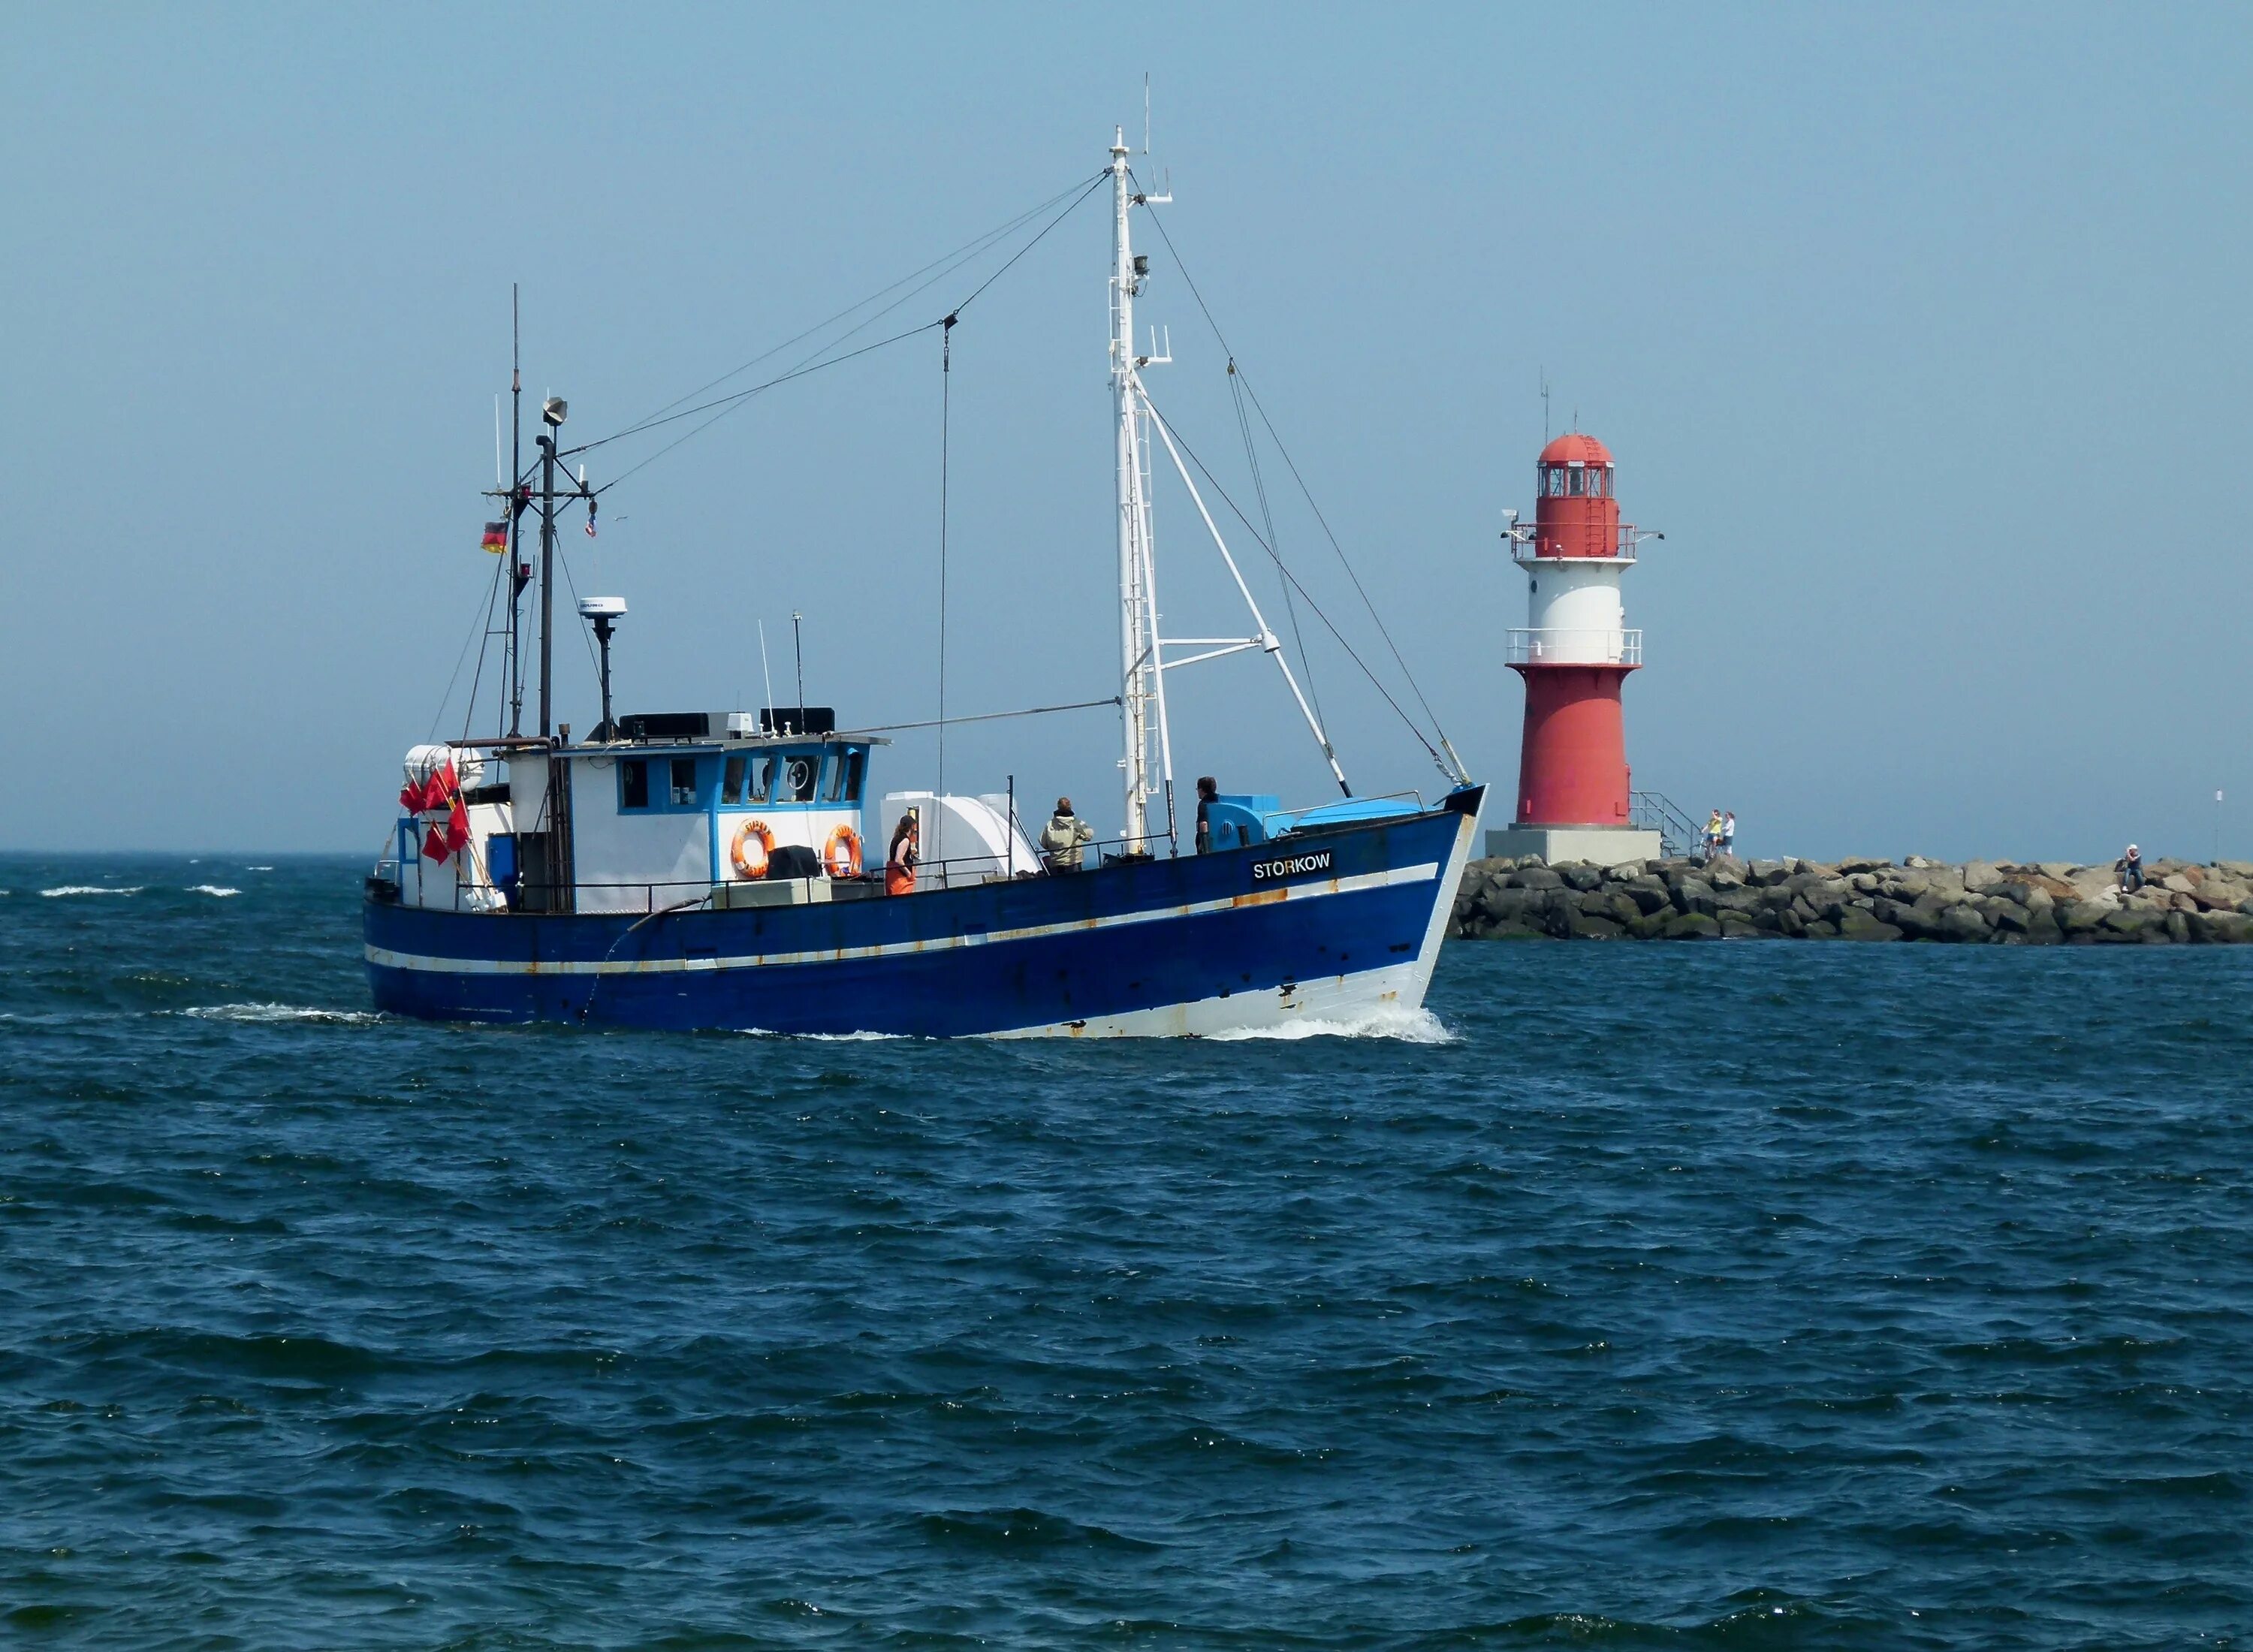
2001 903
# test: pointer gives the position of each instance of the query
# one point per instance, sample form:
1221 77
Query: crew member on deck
1065 838
900 862
1208 794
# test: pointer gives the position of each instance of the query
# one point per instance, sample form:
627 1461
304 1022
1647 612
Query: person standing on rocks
2131 868
1713 845
1729 833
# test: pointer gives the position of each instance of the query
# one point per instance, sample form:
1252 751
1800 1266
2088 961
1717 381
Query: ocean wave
1394 1022
270 1013
211 889
93 888
258 869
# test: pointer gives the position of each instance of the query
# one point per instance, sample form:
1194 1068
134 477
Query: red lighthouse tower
1573 653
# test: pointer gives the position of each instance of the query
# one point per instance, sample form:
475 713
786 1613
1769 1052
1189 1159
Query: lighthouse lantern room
1573 797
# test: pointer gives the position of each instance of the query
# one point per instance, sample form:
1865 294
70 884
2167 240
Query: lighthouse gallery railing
1571 645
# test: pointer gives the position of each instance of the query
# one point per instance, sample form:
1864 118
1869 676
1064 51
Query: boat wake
269 1015
1394 1022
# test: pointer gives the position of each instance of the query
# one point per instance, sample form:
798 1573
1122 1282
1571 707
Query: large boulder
1963 923
2007 916
1587 926
1863 863
2234 927
1580 875
1537 877
1500 903
2134 923
1855 924
1649 893
1692 926
1979 876
1767 874
2079 920
1695 896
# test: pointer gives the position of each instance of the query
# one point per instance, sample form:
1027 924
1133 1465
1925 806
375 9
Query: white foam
258 869
1391 1021
92 888
822 1038
211 889
269 1014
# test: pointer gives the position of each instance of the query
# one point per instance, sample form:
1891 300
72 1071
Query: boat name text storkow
1290 866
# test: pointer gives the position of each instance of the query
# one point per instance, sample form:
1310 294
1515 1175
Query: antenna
1545 407
797 644
765 675
1145 111
501 477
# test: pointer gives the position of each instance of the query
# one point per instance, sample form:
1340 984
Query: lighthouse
1575 652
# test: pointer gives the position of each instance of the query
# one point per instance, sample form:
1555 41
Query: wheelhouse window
731 779
799 774
845 778
762 787
684 783
1555 479
633 783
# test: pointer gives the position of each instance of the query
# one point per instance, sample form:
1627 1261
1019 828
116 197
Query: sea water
1755 1294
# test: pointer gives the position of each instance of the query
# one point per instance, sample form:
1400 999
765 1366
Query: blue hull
1322 923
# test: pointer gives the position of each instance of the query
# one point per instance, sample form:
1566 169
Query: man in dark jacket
2131 868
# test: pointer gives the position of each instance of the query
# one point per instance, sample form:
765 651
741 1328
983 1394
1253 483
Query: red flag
434 846
458 826
438 790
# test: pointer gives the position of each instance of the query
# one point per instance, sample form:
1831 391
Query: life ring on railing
750 833
842 857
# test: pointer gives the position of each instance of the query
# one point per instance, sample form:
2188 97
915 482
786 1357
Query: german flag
496 537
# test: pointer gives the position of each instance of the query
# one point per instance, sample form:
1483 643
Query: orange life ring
750 833
847 865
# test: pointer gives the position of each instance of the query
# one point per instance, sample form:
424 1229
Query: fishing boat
736 870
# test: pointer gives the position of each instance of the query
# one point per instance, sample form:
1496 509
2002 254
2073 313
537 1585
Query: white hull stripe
386 958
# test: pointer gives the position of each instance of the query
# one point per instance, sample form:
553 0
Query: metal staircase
1655 812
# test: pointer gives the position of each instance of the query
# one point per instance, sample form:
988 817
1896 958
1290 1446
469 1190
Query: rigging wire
439 716
951 260
470 709
1268 516
1158 220
814 362
1205 471
983 716
1307 494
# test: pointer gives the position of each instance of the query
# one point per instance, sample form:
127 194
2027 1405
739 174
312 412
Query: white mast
1141 685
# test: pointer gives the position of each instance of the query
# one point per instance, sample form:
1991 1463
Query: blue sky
1922 333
